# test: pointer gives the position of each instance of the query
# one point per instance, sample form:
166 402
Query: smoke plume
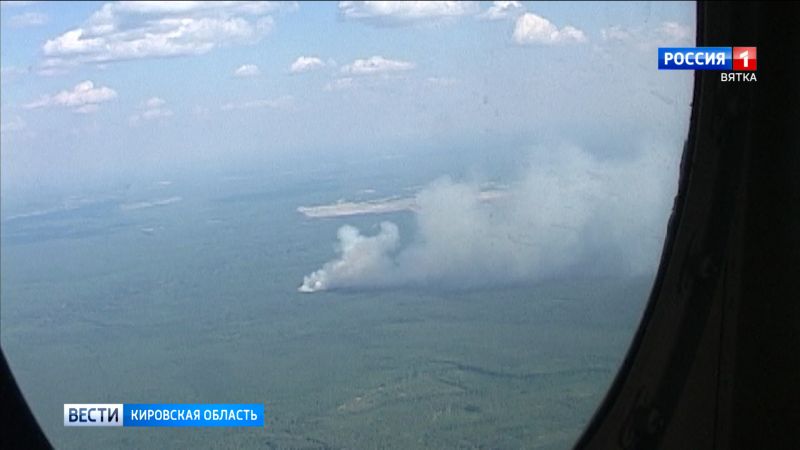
569 214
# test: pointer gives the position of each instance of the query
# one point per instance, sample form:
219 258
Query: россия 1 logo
735 63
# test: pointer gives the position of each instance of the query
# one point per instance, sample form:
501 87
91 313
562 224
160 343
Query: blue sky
115 90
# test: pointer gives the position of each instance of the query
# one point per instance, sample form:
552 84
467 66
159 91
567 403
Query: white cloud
28 19
83 98
247 70
502 10
154 102
400 13
277 103
306 64
152 108
370 72
138 30
533 29
615 33
375 65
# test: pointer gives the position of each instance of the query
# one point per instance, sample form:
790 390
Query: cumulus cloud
375 65
570 214
276 103
306 64
404 13
502 10
533 29
246 71
83 98
137 30
28 19
152 108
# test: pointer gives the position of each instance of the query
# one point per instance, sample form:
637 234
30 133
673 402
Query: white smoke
569 214
363 258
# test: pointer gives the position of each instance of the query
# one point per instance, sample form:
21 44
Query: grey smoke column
570 214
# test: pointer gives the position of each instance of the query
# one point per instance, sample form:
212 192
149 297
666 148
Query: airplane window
395 225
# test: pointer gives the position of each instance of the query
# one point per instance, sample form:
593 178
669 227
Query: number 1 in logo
744 58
